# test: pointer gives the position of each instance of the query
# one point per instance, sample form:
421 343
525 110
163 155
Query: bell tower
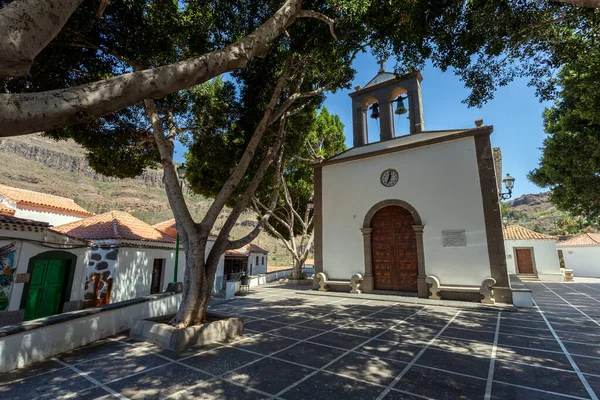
378 96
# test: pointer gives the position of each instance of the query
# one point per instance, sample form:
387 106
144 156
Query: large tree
570 162
292 220
488 43
274 93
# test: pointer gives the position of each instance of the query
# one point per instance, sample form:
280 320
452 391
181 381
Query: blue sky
515 113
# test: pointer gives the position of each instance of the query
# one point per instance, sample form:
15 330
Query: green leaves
570 163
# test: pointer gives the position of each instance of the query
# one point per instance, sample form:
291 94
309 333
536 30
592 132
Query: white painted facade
257 263
441 181
583 260
43 214
545 258
132 270
29 244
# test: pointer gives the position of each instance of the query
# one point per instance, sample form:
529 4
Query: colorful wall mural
7 273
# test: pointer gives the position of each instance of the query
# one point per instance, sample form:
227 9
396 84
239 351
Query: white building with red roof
129 258
531 255
250 260
42 272
582 254
27 204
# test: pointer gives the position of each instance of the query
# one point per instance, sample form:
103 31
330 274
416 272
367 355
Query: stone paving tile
218 389
288 319
587 349
310 354
395 351
296 332
503 392
533 357
128 362
588 365
367 368
327 386
95 350
594 382
408 337
454 362
269 375
158 383
469 347
339 340
262 325
94 393
264 344
530 342
221 360
539 378
478 335
441 385
37 368
47 386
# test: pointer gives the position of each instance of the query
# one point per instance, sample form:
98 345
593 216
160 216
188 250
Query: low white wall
584 261
24 348
545 256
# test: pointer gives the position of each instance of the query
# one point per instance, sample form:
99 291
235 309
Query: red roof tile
113 225
585 239
167 227
246 250
6 210
517 232
43 200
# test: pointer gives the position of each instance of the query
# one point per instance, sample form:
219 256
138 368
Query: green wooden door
45 288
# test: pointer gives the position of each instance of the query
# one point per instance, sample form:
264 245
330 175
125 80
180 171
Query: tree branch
172 187
324 18
24 113
240 170
26 27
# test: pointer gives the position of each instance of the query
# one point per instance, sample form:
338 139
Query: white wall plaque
454 238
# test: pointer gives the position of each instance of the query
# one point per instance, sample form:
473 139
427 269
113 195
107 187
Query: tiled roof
6 210
113 225
167 227
10 220
246 250
43 200
517 232
585 239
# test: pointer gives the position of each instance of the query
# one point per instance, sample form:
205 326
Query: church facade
409 207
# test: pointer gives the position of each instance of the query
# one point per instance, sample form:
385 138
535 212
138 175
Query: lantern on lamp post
509 184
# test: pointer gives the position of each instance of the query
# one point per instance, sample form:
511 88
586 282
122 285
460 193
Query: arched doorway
394 249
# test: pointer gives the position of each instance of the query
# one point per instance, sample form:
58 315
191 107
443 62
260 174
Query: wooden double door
394 250
525 263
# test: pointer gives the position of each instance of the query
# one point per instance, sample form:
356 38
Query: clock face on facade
389 177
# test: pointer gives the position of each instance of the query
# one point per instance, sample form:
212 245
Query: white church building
412 210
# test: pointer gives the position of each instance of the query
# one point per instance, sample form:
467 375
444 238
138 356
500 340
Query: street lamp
310 204
509 183
181 172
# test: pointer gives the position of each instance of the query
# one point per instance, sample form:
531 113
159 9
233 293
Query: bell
374 110
400 109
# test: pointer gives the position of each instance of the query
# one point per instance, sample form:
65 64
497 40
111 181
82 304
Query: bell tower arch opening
389 90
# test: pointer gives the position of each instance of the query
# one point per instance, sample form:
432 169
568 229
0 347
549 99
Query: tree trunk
582 3
197 285
297 268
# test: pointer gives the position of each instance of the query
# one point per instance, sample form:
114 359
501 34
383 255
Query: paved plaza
299 346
